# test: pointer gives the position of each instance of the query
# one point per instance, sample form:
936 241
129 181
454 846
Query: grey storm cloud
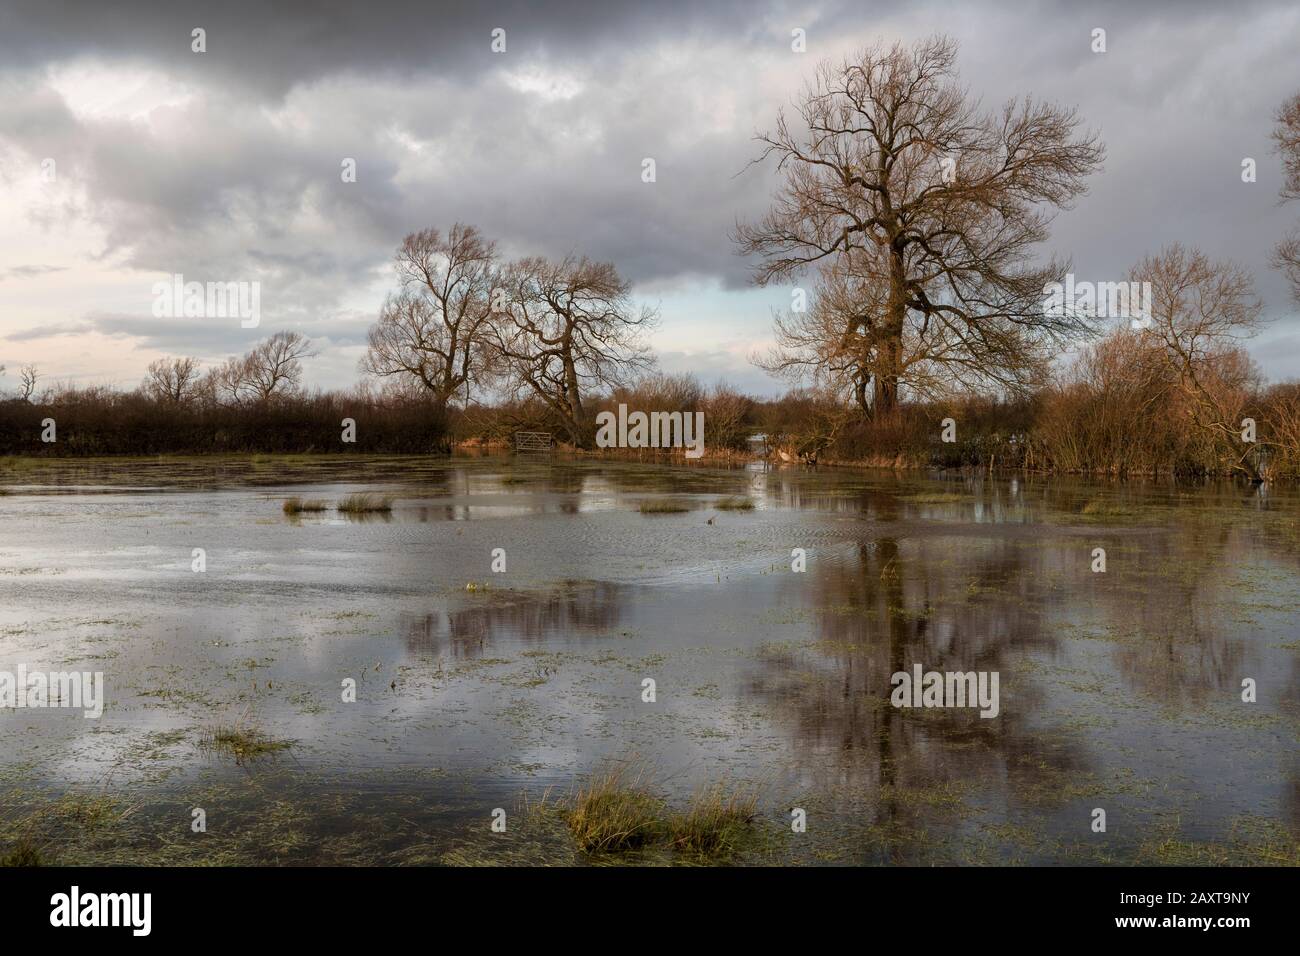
268 48
29 272
423 67
213 338
50 331
219 194
542 147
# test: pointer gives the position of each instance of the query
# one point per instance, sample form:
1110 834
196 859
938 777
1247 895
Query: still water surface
476 690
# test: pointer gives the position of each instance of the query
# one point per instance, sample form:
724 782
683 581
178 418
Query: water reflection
572 609
1091 664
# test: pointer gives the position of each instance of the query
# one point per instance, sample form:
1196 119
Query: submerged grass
30 829
1099 508
297 506
366 503
935 498
735 503
24 853
242 743
1251 841
660 507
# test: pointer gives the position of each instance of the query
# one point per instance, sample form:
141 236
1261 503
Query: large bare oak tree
922 213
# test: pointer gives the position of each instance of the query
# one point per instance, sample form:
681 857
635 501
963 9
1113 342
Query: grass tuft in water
616 812
366 503
297 506
735 504
242 743
935 498
24 853
613 813
663 508
716 824
1099 508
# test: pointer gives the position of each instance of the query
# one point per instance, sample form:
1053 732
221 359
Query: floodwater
478 690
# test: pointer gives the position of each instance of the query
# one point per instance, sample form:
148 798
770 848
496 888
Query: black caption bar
336 906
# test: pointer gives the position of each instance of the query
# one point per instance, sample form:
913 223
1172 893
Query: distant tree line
252 403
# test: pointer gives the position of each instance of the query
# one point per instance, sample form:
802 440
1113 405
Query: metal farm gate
533 441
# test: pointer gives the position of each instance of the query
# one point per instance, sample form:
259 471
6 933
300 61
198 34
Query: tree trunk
886 398
574 429
573 400
890 351
860 393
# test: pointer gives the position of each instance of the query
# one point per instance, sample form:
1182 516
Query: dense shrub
98 421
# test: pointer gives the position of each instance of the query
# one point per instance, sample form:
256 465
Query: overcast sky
225 165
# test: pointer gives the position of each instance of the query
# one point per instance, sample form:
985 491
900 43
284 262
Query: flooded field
227 669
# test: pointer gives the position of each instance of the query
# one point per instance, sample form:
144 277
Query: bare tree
27 377
432 330
173 380
924 212
566 328
1200 311
272 368
727 412
1287 135
224 384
